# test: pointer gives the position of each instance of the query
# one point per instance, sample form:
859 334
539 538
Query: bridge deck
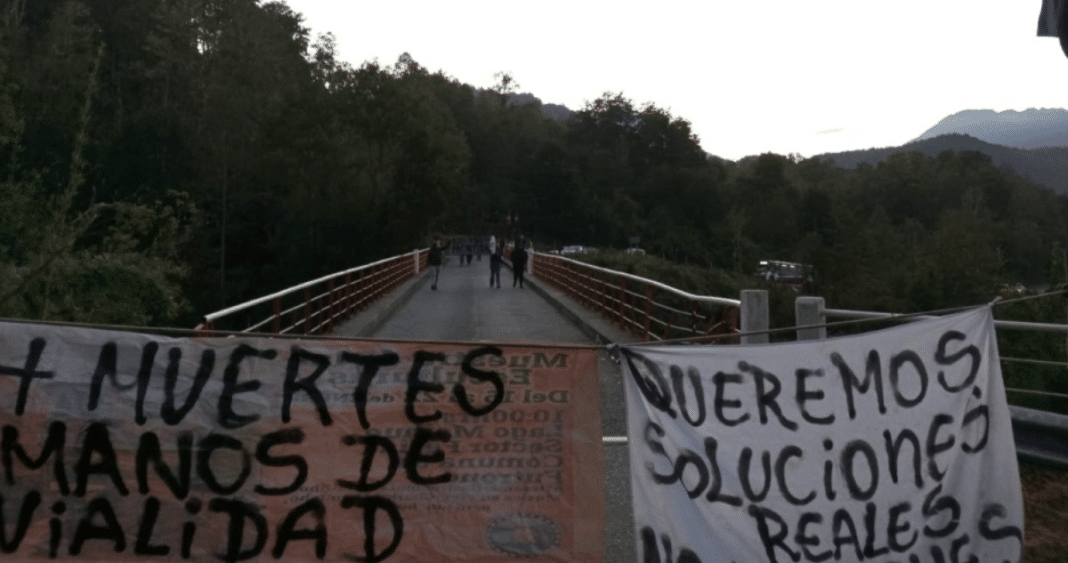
465 309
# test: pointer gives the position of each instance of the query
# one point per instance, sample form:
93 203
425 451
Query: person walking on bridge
495 260
434 259
519 262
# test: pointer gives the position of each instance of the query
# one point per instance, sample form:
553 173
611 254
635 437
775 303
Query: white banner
895 445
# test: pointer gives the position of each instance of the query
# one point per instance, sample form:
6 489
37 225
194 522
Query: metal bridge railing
654 311
999 324
1041 436
646 308
639 305
317 306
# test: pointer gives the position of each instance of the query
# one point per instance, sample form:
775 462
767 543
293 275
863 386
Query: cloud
830 131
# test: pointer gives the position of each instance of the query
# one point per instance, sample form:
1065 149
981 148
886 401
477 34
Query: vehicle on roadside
573 249
780 271
1013 289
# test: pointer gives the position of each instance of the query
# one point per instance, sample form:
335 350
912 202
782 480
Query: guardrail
1000 324
646 308
1040 436
316 306
639 305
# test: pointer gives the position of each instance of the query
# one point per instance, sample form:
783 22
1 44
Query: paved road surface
464 308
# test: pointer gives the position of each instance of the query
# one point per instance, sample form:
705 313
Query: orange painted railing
317 306
646 308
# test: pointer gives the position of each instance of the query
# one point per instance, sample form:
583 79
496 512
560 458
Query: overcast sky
779 75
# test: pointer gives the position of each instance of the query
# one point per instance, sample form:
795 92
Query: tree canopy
170 158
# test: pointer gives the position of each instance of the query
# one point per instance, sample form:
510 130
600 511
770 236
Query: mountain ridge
1032 144
1028 129
1044 166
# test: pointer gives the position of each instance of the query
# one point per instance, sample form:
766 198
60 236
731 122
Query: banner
895 445
128 447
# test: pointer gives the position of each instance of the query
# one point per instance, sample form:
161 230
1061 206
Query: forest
163 159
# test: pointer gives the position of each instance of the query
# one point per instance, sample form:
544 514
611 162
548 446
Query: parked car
1013 289
784 272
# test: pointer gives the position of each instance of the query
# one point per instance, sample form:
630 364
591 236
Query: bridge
564 302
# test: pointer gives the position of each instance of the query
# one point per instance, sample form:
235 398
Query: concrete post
415 257
809 312
755 314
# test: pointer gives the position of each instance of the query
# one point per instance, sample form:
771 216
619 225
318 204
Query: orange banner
132 447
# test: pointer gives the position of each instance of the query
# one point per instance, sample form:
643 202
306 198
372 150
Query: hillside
555 112
1028 129
1046 167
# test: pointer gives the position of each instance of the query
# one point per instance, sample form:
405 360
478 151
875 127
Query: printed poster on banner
129 447
895 445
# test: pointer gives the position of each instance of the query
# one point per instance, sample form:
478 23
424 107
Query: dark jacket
519 257
434 258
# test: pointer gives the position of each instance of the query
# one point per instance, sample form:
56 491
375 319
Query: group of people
519 256
465 249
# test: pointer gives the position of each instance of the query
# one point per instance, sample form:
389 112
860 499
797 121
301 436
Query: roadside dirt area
1045 493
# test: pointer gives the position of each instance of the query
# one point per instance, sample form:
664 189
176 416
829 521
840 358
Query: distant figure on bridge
496 258
519 262
434 259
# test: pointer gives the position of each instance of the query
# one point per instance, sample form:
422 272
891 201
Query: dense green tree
54 71
284 163
106 263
